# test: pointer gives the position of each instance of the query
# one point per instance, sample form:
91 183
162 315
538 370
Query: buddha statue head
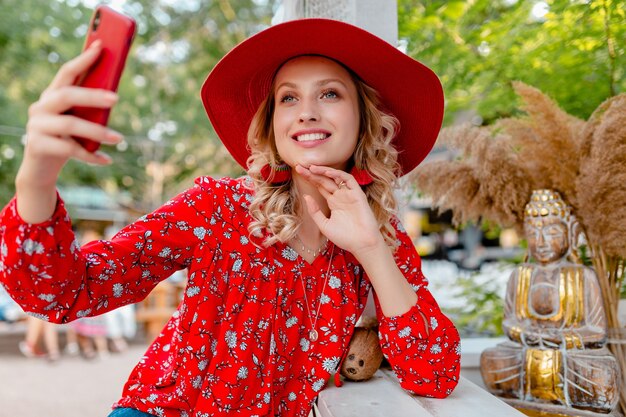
547 224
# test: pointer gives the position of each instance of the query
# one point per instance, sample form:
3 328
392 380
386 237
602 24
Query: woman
280 263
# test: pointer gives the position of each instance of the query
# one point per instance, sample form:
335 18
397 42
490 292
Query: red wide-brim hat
241 80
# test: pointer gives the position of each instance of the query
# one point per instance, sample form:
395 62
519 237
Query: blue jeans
128 412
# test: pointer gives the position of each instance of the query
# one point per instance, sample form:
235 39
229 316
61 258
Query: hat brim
241 80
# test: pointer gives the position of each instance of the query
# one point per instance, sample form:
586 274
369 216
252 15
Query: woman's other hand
351 224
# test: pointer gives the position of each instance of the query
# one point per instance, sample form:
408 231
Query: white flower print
47 297
304 344
243 240
334 282
266 398
182 225
292 396
165 252
231 339
404 332
202 364
3 249
433 323
318 385
193 291
242 373
272 345
39 316
289 254
83 313
331 364
324 299
117 290
199 232
237 265
30 246
435 349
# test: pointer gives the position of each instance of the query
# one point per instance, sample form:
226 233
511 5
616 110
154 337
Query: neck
309 232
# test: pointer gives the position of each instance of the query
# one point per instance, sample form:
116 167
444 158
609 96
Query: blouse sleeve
422 345
45 270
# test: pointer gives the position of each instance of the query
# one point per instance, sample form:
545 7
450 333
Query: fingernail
95 44
106 158
113 136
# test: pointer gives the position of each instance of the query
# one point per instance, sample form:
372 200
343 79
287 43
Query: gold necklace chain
313 332
315 253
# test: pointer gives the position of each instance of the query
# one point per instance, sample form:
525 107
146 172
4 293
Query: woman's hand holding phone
69 120
49 134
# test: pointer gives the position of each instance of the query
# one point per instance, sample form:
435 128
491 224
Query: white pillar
379 17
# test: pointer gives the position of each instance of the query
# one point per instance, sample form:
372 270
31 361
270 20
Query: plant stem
610 273
610 44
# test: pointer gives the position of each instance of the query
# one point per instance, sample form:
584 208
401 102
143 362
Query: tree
569 49
159 112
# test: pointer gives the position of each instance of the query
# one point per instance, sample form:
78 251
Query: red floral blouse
238 343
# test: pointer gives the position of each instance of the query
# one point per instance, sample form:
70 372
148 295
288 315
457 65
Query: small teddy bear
364 354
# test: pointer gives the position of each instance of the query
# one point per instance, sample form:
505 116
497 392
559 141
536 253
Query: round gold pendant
313 335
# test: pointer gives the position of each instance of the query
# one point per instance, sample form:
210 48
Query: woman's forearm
395 294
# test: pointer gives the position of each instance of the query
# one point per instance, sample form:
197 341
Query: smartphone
116 32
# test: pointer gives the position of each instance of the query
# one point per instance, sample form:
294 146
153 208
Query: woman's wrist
371 249
36 194
40 175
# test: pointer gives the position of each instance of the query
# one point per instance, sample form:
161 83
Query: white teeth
311 136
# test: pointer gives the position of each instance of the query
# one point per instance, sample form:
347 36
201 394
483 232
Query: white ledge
383 396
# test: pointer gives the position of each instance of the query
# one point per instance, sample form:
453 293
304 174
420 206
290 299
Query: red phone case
116 32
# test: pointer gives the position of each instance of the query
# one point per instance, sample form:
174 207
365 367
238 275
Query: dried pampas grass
499 166
550 145
485 183
601 186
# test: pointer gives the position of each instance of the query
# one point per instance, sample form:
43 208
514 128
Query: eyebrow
319 83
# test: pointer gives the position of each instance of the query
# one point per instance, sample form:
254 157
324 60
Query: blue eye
287 98
330 94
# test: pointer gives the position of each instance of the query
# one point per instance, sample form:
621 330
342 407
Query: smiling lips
309 136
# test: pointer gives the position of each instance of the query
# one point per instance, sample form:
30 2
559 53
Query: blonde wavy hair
275 208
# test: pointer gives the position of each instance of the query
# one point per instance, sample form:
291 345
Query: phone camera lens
96 21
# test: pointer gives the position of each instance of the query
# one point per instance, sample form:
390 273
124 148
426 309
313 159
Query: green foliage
483 309
160 113
574 53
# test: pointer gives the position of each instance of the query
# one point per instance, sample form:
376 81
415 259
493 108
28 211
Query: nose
309 112
541 239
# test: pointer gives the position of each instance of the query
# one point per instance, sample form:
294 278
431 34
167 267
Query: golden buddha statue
556 360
